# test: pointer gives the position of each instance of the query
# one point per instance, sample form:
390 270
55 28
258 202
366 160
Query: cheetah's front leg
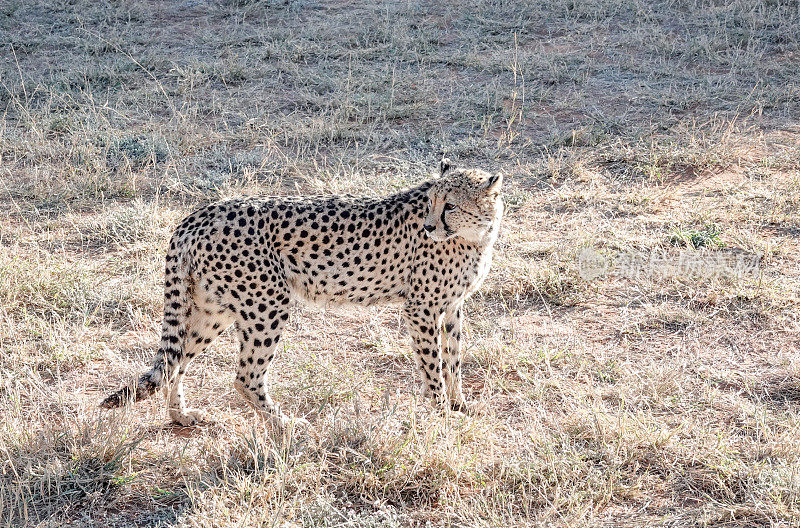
424 325
451 358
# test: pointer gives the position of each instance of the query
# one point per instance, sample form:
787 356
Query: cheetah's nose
428 228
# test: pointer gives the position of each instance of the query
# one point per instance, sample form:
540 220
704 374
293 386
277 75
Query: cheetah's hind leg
203 327
259 336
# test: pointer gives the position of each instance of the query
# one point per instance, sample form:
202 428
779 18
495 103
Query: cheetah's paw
473 408
188 417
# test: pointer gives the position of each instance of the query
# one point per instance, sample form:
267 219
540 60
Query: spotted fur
243 262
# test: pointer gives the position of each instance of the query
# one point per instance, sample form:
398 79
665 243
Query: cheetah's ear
445 165
494 183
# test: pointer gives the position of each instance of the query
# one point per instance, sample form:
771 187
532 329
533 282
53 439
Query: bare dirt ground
635 345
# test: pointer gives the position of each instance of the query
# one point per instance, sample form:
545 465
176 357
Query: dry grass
653 396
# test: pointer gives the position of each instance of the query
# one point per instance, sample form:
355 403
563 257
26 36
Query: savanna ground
637 136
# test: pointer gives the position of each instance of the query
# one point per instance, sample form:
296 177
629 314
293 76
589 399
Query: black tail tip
117 399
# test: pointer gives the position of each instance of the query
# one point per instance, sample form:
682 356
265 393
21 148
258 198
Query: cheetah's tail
173 332
147 384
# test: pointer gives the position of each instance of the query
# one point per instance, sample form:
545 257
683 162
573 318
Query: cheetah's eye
449 207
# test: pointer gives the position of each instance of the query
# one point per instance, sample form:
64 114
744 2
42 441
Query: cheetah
243 261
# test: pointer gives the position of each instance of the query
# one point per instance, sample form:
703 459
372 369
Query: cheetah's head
464 203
